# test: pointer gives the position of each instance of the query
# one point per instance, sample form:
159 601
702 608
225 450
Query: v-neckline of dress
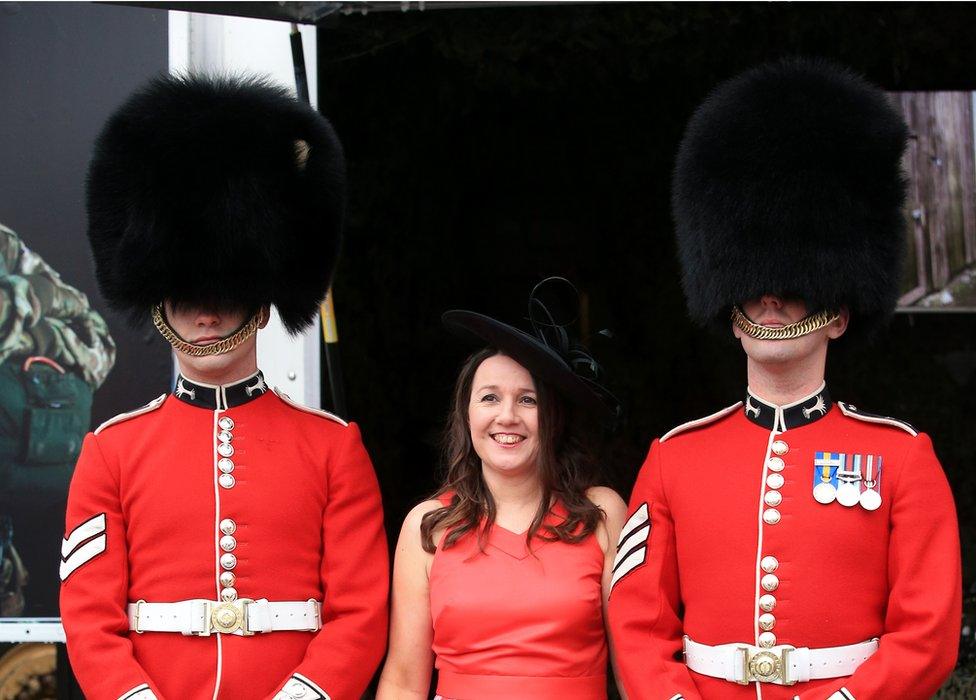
514 544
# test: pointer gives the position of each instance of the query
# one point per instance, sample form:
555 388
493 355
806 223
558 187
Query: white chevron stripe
639 517
87 530
84 554
627 565
638 537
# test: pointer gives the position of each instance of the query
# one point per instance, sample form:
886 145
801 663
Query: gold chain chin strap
215 348
802 327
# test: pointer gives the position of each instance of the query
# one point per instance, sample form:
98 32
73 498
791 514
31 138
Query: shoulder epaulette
315 411
122 417
698 422
854 412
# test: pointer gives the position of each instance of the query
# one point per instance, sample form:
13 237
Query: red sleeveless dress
514 623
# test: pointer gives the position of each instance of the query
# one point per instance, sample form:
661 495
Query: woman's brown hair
565 469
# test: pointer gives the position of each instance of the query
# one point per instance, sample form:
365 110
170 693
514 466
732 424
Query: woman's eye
489 398
528 400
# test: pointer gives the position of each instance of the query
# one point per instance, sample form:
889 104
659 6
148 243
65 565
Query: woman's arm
406 673
615 511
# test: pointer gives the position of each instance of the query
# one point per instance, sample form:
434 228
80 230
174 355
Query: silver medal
848 494
824 492
870 499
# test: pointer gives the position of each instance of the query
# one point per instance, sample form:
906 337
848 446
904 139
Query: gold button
772 498
766 621
776 464
767 640
780 448
775 481
769 582
771 516
767 602
769 564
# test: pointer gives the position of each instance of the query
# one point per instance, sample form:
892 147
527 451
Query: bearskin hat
222 191
788 181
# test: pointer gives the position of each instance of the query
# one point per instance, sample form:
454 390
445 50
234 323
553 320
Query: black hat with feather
788 181
218 192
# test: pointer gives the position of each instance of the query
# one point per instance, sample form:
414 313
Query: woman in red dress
500 580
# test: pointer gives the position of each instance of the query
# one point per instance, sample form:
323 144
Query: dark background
491 147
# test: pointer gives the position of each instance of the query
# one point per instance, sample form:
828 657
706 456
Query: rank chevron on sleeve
83 544
632 545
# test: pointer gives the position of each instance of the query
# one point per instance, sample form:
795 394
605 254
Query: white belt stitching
243 617
738 662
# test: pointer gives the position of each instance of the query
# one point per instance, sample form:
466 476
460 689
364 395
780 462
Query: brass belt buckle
230 617
766 666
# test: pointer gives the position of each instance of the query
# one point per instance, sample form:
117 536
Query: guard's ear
265 316
838 327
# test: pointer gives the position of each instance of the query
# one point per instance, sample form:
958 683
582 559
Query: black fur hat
216 191
789 181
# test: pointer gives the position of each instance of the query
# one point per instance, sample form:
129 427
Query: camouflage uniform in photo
55 351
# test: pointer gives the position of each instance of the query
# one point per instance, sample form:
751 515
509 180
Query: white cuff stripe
627 565
679 696
84 554
85 531
298 687
842 694
307 681
140 692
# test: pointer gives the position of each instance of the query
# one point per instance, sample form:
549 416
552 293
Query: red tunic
514 623
843 575
308 525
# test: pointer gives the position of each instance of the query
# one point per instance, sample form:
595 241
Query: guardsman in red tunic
222 541
789 546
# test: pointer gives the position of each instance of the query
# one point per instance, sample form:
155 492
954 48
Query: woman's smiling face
503 416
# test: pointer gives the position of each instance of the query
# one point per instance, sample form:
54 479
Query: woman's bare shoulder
608 500
416 515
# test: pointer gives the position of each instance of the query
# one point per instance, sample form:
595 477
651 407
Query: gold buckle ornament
230 617
766 666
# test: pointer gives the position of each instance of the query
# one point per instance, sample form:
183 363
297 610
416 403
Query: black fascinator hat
548 352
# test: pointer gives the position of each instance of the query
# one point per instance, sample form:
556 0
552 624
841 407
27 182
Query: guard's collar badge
794 415
222 396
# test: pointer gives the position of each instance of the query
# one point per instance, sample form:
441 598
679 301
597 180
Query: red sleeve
918 648
645 596
345 653
94 584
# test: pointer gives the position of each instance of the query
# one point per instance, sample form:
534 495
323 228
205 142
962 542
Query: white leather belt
243 617
782 665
